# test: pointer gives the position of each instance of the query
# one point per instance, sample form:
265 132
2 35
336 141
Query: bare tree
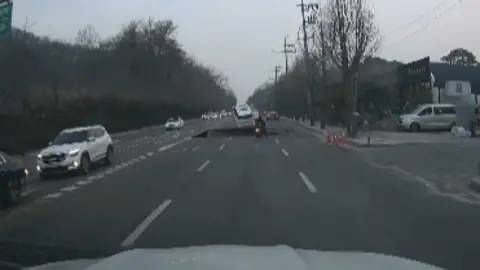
349 35
87 37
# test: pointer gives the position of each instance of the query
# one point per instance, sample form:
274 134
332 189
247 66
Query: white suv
75 149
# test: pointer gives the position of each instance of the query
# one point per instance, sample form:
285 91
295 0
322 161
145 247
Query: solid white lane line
307 182
83 182
70 188
145 223
196 148
29 191
203 166
92 177
221 147
285 152
150 154
53 195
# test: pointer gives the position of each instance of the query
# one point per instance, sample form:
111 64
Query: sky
237 38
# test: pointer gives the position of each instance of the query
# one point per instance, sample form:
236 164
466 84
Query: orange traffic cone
335 139
343 138
329 139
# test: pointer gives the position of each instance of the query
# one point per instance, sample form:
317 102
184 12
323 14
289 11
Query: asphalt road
170 190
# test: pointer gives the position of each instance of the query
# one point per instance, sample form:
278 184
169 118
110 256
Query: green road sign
5 18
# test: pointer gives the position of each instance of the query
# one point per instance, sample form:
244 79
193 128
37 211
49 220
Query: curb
349 145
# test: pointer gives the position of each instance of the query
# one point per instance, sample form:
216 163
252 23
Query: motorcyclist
260 123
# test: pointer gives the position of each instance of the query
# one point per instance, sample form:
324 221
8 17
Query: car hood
64 148
241 258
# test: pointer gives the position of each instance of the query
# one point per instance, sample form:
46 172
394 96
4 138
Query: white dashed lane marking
285 152
145 223
307 182
203 166
221 147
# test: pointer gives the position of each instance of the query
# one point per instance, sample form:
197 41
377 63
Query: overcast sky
237 37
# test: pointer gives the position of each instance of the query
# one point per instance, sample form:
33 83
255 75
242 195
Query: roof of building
444 72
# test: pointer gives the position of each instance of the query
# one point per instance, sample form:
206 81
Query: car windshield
70 137
346 167
412 109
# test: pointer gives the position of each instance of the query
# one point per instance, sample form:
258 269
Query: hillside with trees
138 77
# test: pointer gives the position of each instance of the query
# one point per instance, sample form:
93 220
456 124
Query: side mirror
91 139
50 143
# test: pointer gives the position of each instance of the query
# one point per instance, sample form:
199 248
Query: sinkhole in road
232 132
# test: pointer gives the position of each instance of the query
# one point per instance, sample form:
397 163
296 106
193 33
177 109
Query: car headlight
26 172
73 152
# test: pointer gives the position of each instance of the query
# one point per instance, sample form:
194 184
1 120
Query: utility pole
323 67
308 63
288 48
277 70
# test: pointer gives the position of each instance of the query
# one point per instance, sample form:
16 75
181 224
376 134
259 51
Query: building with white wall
458 85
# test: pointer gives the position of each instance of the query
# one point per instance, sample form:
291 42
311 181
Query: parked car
174 123
428 117
74 150
13 179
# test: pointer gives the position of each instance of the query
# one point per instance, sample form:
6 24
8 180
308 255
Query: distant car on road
13 179
74 150
223 114
244 115
211 115
273 115
174 123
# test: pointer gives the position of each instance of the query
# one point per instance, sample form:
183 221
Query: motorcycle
258 132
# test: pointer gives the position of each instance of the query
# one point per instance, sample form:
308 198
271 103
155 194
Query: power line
439 16
422 16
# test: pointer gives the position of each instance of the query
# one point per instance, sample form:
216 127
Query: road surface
171 190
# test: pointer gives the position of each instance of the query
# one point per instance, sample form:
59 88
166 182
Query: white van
428 117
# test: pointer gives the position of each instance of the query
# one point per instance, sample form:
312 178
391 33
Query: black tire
85 164
415 127
108 156
13 192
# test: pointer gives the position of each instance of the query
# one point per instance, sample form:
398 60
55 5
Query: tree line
342 70
138 77
342 35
